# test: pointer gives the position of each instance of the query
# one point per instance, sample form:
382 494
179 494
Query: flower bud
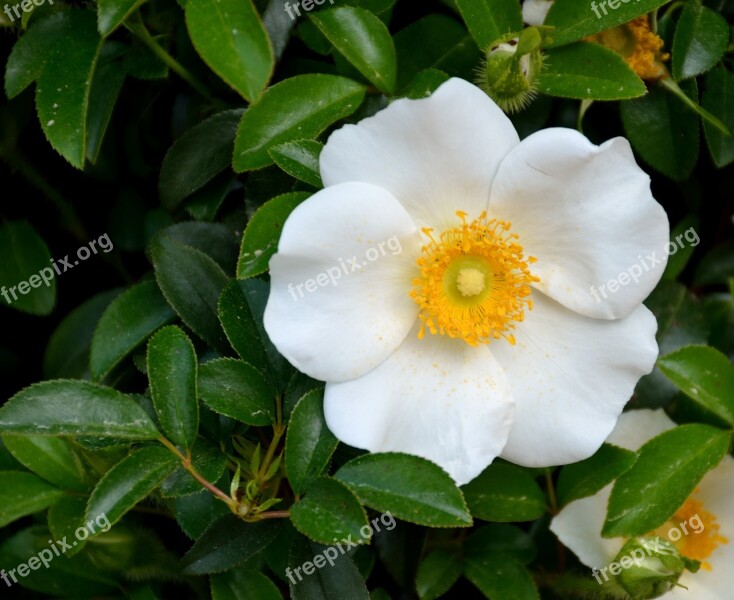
651 567
510 73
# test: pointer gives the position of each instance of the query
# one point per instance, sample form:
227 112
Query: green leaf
233 388
25 257
437 573
717 267
75 577
260 240
241 308
663 130
587 477
65 517
589 71
489 20
298 108
300 159
668 469
128 321
109 76
29 53
70 407
424 84
196 512
186 168
684 248
333 577
501 537
361 38
62 94
705 375
240 324
718 99
231 38
191 282
216 240
243 584
308 444
574 20
172 370
227 543
23 494
498 576
204 204
113 13
129 482
412 488
668 84
329 512
67 352
681 322
51 458
435 42
700 41
504 492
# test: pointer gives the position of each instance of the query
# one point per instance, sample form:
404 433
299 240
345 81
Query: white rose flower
701 529
442 284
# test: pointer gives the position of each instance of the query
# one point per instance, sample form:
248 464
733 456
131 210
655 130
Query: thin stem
137 27
186 464
278 431
551 492
670 85
275 514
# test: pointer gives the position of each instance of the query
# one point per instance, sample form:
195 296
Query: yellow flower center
474 282
638 45
693 531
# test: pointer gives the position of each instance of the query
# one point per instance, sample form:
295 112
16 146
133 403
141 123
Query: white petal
716 493
637 427
587 214
535 11
571 376
578 526
436 155
437 398
349 321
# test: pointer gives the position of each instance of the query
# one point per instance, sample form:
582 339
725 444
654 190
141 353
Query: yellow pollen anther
470 282
474 281
701 536
638 45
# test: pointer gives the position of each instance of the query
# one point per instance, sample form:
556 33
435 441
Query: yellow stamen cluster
699 543
640 47
474 282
